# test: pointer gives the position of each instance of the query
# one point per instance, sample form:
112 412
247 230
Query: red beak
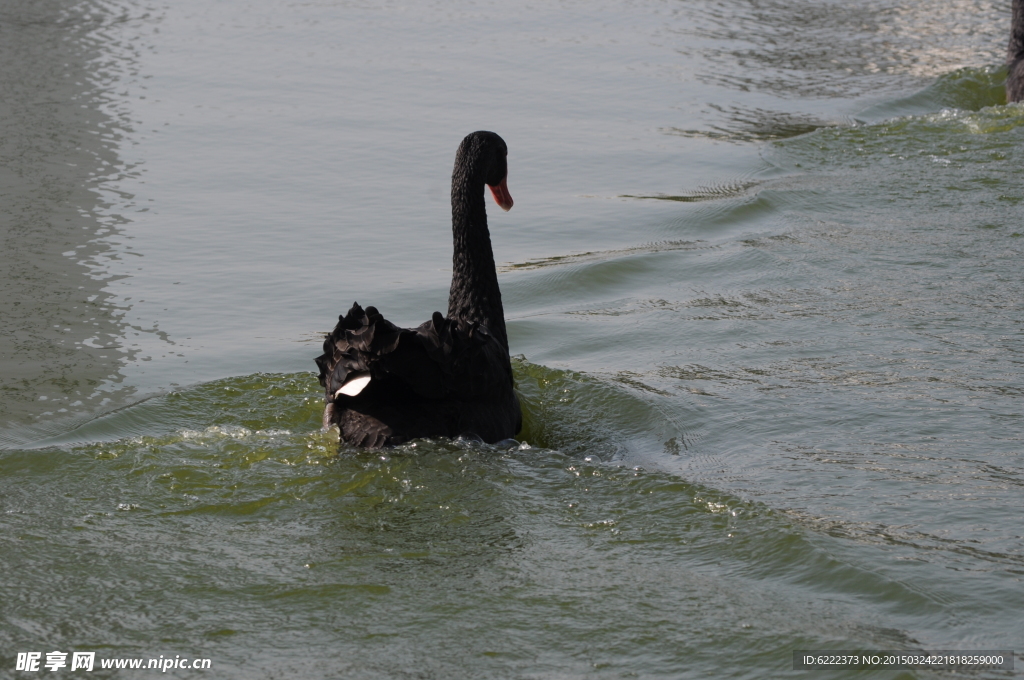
501 195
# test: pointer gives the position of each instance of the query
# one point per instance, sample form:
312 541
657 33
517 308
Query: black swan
1015 55
451 376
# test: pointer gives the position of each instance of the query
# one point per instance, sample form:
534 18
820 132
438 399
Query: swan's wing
368 357
473 363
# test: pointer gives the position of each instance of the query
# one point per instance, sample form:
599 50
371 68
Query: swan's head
486 153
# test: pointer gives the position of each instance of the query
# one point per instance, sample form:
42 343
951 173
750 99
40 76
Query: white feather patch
353 386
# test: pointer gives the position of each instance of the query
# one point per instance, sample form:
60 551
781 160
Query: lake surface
764 296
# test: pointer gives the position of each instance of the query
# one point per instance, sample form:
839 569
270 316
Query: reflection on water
60 124
780 69
811 49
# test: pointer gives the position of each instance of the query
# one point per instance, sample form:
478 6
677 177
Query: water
763 286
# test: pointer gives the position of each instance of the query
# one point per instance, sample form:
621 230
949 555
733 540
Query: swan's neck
1016 47
474 295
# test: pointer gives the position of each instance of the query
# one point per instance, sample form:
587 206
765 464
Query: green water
253 540
764 297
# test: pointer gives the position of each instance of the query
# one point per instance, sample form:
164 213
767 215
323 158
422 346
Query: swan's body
450 376
1015 55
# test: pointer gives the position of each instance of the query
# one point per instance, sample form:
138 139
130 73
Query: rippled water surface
764 294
